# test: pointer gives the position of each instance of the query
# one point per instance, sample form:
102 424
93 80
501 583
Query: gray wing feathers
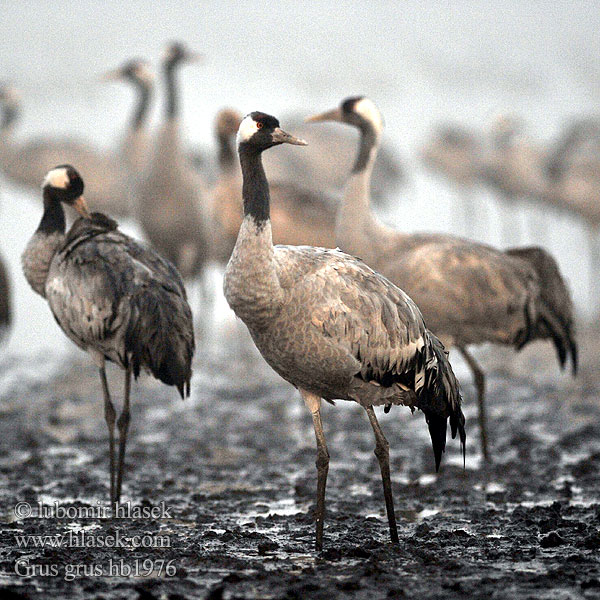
111 294
382 328
397 360
470 293
374 320
553 306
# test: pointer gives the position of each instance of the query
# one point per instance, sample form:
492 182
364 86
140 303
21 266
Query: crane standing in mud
331 326
112 297
469 293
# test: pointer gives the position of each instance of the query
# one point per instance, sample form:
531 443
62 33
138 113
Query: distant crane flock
340 305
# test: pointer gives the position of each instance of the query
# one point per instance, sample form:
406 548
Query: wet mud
234 467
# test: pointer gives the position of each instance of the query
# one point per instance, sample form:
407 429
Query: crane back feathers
115 297
329 324
471 293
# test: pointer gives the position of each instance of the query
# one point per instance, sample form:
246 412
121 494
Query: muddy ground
235 468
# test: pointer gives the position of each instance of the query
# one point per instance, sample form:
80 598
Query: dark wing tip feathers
574 356
160 336
554 304
441 399
563 340
437 430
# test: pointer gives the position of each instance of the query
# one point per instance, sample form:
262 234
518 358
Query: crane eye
259 125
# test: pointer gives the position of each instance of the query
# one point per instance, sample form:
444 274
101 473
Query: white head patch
247 129
11 95
57 178
367 110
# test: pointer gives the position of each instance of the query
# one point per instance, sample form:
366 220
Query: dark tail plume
554 306
440 399
160 337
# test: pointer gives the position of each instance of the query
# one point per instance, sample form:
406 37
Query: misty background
422 64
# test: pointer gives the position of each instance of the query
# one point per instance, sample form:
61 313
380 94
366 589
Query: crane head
260 131
66 185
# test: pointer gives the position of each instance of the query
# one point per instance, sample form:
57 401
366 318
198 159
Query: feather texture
113 296
340 330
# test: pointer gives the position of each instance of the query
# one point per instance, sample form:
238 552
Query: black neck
143 102
9 116
172 95
53 219
255 187
368 139
226 152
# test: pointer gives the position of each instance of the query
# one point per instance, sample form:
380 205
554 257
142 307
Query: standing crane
114 298
135 145
331 326
170 198
469 293
455 153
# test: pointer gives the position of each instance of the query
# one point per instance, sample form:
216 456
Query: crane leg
479 377
109 416
594 242
313 403
469 208
382 452
123 425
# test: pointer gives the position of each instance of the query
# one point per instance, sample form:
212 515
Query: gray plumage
515 167
573 169
110 294
26 162
469 293
114 298
579 141
329 324
170 197
574 186
455 153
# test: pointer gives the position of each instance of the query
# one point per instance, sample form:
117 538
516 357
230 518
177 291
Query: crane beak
81 207
330 115
194 57
281 137
112 75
